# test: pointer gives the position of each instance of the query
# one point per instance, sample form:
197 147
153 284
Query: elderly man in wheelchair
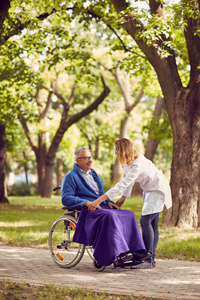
112 233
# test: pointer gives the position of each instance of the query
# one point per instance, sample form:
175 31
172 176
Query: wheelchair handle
57 188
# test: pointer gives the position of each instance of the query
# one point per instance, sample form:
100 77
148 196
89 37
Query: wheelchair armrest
72 208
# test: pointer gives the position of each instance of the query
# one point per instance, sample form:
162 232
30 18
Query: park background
84 73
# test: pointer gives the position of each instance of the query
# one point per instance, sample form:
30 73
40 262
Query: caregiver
156 193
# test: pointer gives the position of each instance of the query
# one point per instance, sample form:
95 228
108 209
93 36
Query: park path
171 279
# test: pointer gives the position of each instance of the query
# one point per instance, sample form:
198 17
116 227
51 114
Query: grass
26 221
13 291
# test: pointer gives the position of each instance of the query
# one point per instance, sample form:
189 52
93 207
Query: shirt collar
88 172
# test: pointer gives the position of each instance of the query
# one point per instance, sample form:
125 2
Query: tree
11 24
158 31
53 54
182 102
45 158
3 196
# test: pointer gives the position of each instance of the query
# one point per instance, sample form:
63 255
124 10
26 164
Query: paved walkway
169 280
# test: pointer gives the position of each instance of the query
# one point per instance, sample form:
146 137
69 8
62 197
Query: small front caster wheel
98 267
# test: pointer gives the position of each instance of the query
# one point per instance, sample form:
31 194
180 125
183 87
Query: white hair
78 151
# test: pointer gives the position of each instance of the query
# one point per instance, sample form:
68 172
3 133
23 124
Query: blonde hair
125 151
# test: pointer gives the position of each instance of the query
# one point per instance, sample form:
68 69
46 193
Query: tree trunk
118 172
25 167
41 158
4 7
49 170
90 145
96 153
59 174
198 211
185 163
3 191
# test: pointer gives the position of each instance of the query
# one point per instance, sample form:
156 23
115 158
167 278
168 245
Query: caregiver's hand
113 205
92 205
121 201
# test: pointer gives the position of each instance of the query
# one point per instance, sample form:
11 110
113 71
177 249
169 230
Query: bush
22 189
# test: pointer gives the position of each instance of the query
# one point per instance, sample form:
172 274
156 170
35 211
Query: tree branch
89 109
93 14
17 26
157 8
43 112
71 98
193 44
66 105
139 97
37 96
48 103
166 68
64 125
113 30
128 107
116 75
27 133
4 7
122 89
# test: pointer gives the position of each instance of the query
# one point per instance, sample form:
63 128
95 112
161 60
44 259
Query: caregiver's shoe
144 265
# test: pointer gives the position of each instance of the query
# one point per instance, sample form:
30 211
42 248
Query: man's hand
92 205
113 205
120 201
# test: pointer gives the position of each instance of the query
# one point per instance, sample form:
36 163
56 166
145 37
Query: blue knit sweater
76 191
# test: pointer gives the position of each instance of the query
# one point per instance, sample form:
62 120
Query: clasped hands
93 205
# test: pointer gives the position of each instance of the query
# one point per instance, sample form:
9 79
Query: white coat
155 186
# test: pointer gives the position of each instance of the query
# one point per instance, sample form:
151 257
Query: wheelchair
64 251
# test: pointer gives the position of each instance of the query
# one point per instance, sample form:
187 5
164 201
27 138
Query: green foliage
99 133
63 43
14 138
159 129
50 50
22 189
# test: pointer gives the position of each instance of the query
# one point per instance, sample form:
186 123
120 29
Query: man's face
84 161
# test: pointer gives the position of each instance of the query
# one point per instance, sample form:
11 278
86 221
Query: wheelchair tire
63 250
90 251
98 267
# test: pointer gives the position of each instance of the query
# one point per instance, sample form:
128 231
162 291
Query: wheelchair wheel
63 250
90 251
98 267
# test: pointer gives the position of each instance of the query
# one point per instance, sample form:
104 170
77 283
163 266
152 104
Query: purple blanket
109 231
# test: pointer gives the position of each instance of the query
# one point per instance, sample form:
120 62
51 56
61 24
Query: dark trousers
150 233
